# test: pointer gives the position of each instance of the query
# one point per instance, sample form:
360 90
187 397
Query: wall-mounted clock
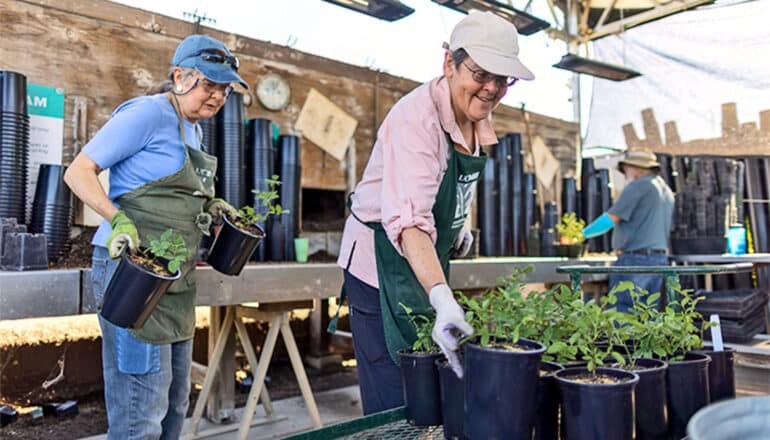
273 92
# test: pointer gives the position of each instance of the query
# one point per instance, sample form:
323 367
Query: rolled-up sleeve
411 175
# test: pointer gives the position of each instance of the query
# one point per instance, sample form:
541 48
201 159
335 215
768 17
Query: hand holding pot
218 208
450 324
123 234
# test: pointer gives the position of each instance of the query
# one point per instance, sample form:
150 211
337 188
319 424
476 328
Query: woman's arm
421 254
82 178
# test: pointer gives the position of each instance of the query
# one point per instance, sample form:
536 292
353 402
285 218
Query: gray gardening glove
450 324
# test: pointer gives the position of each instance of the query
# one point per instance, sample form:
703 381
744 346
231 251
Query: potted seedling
645 354
141 279
240 235
571 241
687 378
607 391
501 366
419 375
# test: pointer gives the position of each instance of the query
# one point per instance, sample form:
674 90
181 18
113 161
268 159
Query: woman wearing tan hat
410 208
159 178
641 218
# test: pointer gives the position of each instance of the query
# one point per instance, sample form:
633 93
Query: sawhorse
278 317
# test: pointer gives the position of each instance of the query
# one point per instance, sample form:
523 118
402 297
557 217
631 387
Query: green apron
398 283
175 201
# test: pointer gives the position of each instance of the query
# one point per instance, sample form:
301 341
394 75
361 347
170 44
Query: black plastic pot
501 391
721 374
422 395
547 421
52 209
597 411
290 171
133 293
232 248
650 400
452 401
687 391
570 250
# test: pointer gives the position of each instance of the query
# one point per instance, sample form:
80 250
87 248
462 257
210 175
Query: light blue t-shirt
139 144
645 208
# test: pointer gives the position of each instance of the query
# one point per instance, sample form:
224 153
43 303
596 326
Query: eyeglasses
218 56
210 87
482 77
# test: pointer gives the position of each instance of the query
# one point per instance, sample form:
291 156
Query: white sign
45 106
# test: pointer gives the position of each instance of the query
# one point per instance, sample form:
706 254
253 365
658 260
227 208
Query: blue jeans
379 378
146 386
650 283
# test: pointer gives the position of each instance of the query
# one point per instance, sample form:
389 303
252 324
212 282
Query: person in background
159 179
410 209
641 218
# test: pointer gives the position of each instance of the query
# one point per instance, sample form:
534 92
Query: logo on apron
466 186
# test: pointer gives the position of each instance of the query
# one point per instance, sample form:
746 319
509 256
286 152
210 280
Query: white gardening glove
463 242
450 324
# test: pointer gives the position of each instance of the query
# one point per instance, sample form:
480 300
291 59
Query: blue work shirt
139 144
645 208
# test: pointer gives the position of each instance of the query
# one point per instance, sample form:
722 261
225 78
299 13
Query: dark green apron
175 201
398 283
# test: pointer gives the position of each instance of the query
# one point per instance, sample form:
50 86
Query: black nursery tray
733 304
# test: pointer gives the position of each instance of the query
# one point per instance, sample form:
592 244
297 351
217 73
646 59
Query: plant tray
742 331
734 304
699 246
390 424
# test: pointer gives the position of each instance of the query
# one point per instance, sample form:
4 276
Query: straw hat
640 159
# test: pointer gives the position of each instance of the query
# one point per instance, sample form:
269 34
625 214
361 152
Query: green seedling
170 246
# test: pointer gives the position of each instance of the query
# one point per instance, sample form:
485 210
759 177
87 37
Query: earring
178 88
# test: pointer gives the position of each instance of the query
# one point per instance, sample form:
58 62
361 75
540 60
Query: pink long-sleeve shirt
404 172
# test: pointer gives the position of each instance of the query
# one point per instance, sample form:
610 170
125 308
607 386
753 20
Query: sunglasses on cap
482 77
217 56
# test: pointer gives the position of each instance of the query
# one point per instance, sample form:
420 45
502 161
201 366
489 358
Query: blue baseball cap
210 57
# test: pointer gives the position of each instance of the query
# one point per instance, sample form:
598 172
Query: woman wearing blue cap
159 179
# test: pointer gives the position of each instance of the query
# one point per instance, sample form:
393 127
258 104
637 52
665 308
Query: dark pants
379 378
650 283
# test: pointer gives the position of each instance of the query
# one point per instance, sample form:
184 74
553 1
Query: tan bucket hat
492 42
639 159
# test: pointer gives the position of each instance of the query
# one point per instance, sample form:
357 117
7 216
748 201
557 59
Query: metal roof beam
655 13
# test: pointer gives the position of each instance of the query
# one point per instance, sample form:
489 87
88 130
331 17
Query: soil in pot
501 390
597 407
452 401
687 386
721 374
135 289
547 421
422 395
233 246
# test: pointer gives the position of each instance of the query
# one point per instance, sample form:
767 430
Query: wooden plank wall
107 53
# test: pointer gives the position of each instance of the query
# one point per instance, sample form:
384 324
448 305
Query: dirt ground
92 417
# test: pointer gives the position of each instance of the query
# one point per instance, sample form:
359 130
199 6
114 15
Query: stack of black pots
605 201
518 196
14 145
231 182
210 135
489 202
591 199
52 209
289 168
506 215
569 196
259 168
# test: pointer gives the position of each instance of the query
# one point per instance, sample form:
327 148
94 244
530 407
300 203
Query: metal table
670 273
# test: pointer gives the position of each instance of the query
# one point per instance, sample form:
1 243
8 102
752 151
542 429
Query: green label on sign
45 101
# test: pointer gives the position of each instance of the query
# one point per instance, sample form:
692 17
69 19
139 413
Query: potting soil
150 264
597 379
